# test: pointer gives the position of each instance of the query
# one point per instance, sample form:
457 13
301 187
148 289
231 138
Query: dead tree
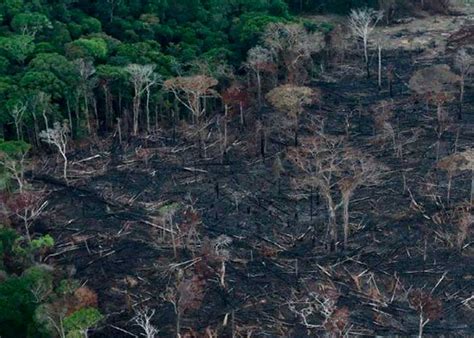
143 78
290 100
455 164
362 23
360 170
260 60
86 71
428 308
435 85
27 207
325 164
12 159
142 319
17 112
380 42
58 137
236 95
464 64
294 45
191 92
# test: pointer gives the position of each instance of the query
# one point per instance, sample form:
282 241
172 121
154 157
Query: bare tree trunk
69 113
86 112
461 98
366 56
380 66
345 206
148 109
259 91
450 180
136 111
472 187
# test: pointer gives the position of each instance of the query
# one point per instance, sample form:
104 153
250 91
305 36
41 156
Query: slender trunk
136 111
178 323
380 66
461 99
241 113
108 106
86 112
345 206
332 226
45 118
69 114
259 91
148 109
119 129
420 326
19 135
27 228
64 166
472 187
450 180
366 56
36 128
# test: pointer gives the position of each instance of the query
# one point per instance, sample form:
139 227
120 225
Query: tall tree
142 78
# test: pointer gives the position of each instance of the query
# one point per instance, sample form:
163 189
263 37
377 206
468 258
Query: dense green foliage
42 44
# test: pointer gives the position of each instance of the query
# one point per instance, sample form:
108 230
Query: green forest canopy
41 41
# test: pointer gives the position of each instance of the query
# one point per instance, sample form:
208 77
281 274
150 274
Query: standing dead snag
362 22
334 170
58 136
428 308
260 60
17 112
464 63
190 91
291 99
12 159
236 95
142 78
360 170
456 163
142 319
435 84
86 71
27 207
294 45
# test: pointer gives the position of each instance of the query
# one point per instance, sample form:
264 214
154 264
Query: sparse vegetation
232 169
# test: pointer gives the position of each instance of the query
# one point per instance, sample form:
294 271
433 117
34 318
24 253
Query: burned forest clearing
324 188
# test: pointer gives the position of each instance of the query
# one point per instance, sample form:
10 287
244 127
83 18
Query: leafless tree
58 137
464 63
435 85
260 60
143 320
327 165
359 170
17 112
362 23
86 71
143 78
457 163
294 45
15 165
191 90
27 207
380 42
428 307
